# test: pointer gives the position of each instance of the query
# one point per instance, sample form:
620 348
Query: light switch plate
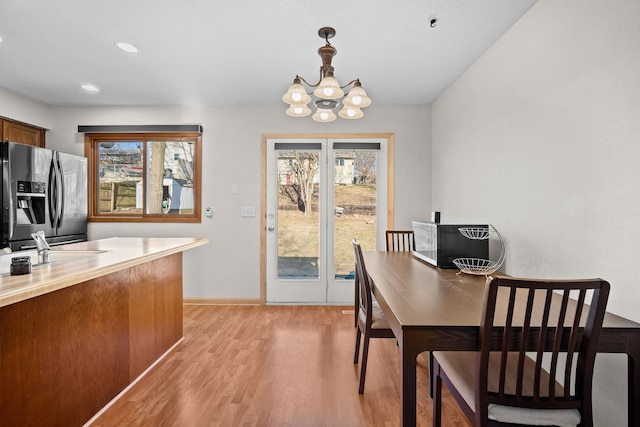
248 211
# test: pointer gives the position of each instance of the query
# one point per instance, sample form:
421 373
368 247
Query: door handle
270 228
61 196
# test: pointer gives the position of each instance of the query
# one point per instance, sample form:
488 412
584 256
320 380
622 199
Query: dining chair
396 240
399 240
371 322
542 374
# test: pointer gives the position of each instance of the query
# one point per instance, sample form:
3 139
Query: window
144 177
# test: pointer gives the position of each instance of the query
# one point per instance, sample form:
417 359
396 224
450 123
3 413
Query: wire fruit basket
480 266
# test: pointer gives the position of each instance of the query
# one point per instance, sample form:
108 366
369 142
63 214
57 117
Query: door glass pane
120 177
355 207
298 215
170 177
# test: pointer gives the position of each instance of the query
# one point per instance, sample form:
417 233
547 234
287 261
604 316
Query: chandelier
328 91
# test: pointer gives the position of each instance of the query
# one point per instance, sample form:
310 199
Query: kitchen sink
55 256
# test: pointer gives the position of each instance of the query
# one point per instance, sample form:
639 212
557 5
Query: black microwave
440 243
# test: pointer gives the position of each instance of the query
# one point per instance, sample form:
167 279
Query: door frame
263 187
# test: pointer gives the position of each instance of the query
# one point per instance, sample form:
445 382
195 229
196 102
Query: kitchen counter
116 254
77 332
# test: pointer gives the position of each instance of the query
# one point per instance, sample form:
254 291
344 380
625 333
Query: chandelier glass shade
329 88
298 110
296 94
350 113
324 115
357 97
327 93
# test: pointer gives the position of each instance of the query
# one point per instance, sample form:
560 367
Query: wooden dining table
430 309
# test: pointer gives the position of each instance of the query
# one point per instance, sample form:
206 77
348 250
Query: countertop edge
72 273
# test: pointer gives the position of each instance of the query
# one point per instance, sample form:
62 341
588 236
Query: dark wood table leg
408 383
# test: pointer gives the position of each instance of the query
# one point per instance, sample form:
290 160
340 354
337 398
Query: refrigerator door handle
53 194
61 200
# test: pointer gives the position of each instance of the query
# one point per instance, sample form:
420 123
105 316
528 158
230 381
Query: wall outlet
248 212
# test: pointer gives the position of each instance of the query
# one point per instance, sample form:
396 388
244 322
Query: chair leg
436 385
363 363
356 354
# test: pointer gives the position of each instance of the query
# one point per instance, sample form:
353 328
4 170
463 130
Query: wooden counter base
67 353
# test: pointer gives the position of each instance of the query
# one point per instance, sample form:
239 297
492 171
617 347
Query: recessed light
90 88
127 47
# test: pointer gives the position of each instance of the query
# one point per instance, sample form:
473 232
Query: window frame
91 152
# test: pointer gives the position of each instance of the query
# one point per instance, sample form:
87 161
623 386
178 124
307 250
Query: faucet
43 247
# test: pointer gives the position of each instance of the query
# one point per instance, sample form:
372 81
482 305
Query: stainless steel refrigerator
42 190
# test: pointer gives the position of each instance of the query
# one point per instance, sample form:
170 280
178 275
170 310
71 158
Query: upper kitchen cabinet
11 130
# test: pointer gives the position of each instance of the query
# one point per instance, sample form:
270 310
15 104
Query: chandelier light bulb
297 97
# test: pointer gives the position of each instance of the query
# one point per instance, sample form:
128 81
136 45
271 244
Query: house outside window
144 177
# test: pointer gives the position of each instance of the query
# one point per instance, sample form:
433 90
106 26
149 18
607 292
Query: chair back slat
573 339
526 325
399 240
541 343
491 303
545 340
557 341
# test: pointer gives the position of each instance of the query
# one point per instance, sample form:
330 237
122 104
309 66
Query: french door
320 194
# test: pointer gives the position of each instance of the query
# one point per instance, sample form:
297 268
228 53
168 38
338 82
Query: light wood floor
270 366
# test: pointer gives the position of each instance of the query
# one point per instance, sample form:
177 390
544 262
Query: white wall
541 137
228 267
23 109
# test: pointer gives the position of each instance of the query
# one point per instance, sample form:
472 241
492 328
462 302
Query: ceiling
230 52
